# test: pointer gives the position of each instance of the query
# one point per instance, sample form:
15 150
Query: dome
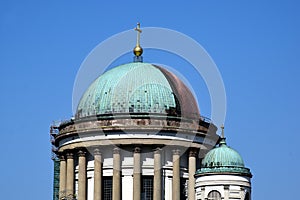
223 156
223 159
138 88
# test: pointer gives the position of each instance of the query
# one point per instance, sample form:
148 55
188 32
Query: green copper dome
138 88
223 159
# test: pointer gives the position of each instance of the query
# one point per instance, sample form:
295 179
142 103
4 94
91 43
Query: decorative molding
158 122
170 141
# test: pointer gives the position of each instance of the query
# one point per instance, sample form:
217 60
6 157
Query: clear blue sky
255 44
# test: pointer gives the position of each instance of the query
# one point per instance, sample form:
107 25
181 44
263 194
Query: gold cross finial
139 30
138 50
222 127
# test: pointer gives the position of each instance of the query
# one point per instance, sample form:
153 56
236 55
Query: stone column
116 174
62 176
70 175
176 175
82 175
202 192
226 192
137 173
157 174
192 171
97 175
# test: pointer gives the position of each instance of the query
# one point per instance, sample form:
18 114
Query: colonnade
67 176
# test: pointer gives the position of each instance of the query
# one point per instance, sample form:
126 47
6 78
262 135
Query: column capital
116 150
193 152
81 153
61 157
157 150
176 152
137 149
97 152
70 155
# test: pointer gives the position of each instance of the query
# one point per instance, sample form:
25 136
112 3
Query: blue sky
255 45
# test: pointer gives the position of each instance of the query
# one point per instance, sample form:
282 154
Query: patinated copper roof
138 88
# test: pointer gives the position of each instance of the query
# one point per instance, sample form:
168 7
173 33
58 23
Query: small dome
223 156
138 88
223 159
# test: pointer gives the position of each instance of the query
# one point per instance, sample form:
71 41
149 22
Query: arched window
214 195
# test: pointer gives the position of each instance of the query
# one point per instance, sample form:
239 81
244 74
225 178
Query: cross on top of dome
222 127
138 50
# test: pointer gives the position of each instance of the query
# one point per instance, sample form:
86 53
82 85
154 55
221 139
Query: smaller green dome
223 159
223 156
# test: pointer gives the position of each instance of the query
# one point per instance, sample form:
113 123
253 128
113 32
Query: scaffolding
56 179
53 132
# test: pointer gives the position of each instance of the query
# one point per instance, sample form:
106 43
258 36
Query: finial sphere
138 51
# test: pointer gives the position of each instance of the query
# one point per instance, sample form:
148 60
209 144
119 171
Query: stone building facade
133 138
138 134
